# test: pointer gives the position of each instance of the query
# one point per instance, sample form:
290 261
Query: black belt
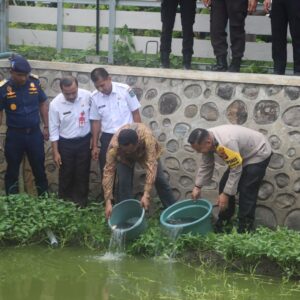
62 139
26 130
106 134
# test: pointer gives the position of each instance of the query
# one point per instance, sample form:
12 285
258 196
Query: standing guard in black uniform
168 14
284 12
234 11
23 100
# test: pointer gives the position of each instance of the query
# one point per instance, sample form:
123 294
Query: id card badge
82 119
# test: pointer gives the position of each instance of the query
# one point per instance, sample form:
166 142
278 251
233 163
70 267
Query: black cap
19 64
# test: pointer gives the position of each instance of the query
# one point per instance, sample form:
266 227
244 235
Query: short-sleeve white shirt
70 119
114 110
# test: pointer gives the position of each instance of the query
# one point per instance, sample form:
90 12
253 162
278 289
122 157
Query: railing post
59 29
111 30
97 26
3 25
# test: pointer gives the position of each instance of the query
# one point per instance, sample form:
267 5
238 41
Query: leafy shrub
25 219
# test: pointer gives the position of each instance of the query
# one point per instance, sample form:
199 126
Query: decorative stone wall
174 102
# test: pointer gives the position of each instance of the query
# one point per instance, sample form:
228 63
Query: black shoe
165 60
221 65
278 72
235 65
279 68
245 226
186 61
222 226
186 66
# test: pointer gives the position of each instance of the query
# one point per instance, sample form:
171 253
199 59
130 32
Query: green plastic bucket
128 217
186 216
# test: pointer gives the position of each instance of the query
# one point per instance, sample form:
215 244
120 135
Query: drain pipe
6 54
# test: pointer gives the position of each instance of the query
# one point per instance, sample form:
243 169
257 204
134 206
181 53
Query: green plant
25 219
124 47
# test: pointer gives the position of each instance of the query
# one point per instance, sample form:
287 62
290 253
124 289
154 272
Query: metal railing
3 25
112 16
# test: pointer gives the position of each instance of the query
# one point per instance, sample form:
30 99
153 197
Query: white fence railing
255 25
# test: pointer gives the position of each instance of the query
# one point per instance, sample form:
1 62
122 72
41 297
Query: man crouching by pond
130 144
247 154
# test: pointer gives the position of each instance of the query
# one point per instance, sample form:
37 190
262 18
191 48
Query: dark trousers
125 184
285 12
250 181
168 14
75 169
19 142
104 140
235 11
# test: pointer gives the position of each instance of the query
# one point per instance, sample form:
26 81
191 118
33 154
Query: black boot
246 225
223 224
221 65
235 65
186 61
296 70
165 60
279 68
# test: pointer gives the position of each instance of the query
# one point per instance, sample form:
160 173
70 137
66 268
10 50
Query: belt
105 135
62 139
25 130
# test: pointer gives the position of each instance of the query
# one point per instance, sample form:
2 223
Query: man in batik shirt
130 144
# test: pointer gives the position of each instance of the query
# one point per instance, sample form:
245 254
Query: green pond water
35 273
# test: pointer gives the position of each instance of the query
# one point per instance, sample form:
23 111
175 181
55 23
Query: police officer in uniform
70 136
113 105
234 11
168 14
247 154
284 13
24 101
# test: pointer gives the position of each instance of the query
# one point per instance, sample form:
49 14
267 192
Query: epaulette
34 76
131 92
2 82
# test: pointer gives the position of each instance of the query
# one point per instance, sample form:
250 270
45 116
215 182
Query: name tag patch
232 158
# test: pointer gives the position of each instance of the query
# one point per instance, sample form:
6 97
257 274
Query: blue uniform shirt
21 103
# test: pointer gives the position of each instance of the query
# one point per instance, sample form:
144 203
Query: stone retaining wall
175 101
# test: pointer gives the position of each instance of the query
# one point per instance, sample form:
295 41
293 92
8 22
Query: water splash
173 234
108 256
116 248
117 241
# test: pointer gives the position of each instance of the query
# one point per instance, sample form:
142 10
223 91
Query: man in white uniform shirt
70 135
113 105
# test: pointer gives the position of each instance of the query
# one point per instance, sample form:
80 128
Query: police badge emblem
13 106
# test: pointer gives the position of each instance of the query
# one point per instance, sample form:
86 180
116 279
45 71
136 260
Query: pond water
36 273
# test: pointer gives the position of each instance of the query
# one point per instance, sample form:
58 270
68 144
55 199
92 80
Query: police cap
19 64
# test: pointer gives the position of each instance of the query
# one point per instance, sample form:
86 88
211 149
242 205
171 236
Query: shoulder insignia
131 92
34 76
2 82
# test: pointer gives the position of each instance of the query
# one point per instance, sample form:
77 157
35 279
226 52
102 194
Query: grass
25 219
125 54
